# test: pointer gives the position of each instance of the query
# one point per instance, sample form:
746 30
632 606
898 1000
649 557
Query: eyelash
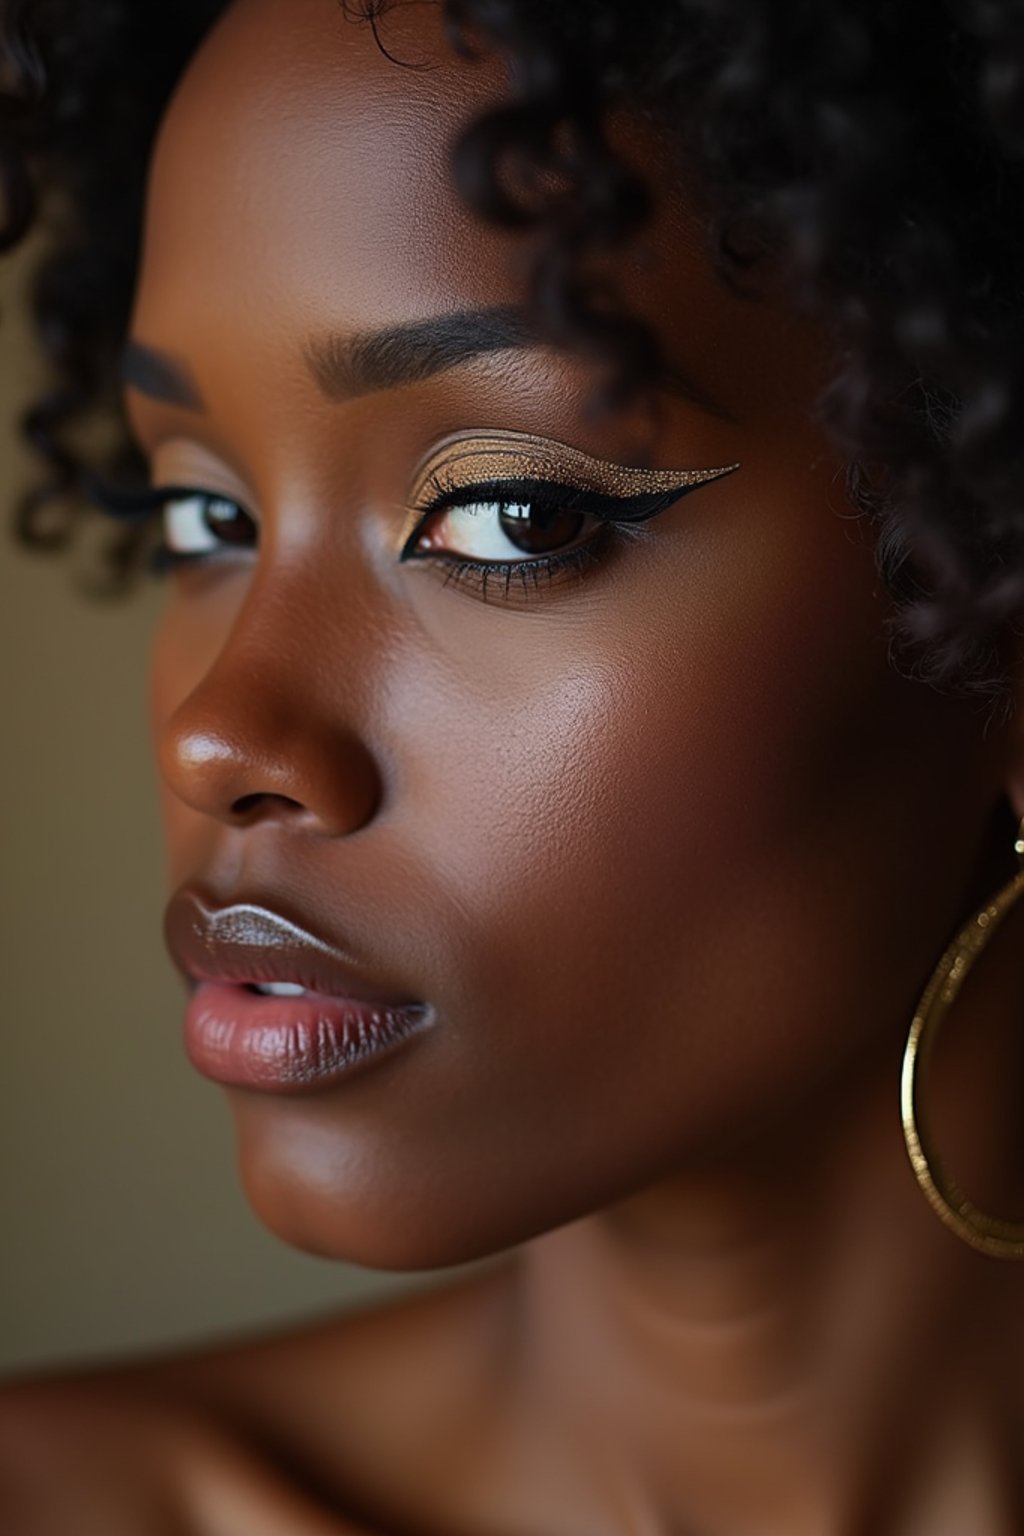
446 494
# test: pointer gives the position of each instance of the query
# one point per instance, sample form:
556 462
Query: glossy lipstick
274 1007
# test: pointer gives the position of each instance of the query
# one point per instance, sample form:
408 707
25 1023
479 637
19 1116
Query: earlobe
1015 792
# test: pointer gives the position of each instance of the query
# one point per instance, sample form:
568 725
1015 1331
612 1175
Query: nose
262 736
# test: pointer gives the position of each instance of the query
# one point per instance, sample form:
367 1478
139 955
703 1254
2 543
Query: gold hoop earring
1000 1239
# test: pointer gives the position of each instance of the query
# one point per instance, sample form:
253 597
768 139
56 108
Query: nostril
258 765
246 807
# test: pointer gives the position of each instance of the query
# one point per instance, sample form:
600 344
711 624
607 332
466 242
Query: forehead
299 162
302 184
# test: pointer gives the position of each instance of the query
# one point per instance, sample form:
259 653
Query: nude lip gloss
287 1044
274 1006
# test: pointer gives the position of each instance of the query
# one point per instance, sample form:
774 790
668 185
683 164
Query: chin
314 1194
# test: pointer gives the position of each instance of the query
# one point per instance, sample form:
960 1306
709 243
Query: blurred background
121 1221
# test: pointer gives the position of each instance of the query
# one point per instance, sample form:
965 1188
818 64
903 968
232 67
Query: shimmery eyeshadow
505 455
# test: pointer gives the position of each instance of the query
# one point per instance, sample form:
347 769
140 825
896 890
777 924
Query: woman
588 706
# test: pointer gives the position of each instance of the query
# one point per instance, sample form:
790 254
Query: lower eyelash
162 558
529 575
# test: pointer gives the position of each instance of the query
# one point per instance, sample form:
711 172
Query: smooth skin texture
671 849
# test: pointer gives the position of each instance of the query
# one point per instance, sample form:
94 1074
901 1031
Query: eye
502 530
193 523
519 522
198 523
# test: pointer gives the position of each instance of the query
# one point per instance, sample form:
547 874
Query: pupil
228 522
536 530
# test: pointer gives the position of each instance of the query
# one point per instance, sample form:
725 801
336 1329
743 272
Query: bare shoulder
293 1434
86 1455
380 1411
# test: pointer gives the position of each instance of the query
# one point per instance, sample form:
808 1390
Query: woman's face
661 840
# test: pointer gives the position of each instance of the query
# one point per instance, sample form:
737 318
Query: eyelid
477 457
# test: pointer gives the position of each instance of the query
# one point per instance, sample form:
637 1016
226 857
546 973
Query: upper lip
246 942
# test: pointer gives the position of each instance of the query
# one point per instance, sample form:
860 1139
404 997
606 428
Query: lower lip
290 1044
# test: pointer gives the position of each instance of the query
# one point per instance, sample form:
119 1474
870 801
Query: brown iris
538 530
227 521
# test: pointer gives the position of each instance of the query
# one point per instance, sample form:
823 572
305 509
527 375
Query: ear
1015 792
1015 758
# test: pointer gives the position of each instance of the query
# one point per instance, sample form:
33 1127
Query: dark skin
671 847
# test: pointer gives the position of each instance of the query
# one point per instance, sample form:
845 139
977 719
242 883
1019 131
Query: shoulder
267 1436
86 1455
107 1455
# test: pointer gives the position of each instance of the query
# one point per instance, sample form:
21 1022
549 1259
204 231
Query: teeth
279 989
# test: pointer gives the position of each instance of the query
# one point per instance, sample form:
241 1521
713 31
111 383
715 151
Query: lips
274 1006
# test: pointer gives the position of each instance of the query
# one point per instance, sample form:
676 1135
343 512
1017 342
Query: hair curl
876 152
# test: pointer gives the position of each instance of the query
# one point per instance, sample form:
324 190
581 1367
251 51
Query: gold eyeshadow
469 458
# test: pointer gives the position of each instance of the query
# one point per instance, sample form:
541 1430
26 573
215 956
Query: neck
748 1348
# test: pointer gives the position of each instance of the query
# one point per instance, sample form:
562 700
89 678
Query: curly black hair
872 152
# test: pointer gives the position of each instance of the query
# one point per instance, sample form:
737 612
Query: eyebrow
160 375
348 366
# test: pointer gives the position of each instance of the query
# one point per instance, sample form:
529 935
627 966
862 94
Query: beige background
122 1224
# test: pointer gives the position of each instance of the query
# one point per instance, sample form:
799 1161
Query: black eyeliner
547 493
129 503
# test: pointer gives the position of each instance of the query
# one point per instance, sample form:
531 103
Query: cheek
696 714
673 829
